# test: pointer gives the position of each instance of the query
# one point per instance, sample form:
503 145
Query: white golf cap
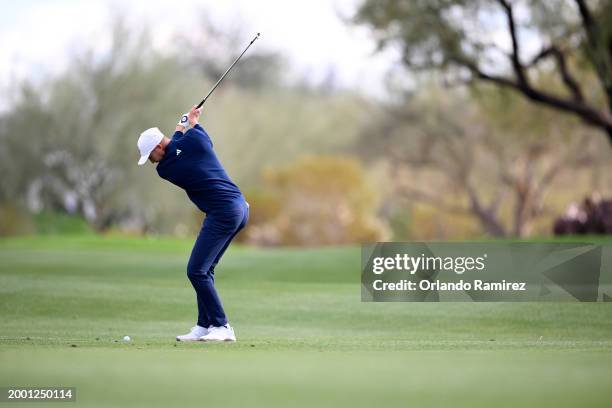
147 142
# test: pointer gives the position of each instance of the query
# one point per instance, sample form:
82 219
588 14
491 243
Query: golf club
226 72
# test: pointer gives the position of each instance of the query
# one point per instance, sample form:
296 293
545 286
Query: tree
72 139
490 162
464 39
69 140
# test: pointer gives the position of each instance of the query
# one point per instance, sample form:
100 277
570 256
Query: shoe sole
219 341
177 339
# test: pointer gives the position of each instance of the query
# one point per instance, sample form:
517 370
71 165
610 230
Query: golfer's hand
183 123
194 116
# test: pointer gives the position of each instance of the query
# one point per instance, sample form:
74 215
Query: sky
37 37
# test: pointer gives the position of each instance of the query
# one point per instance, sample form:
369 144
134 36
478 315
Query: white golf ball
126 338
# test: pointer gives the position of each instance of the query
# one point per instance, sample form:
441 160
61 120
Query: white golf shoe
194 335
223 333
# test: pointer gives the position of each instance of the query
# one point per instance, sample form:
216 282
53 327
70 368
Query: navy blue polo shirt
190 163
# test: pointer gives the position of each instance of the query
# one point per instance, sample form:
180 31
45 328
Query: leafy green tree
490 41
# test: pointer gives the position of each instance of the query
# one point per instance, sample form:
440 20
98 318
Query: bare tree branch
569 81
431 199
576 105
580 109
519 70
487 218
598 54
497 200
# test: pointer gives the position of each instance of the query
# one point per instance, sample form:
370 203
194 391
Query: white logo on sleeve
178 151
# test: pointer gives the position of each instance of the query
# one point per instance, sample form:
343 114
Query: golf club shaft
226 72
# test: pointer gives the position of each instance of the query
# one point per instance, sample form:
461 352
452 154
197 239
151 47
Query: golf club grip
226 72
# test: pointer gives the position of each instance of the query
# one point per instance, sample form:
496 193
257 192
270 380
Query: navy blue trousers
218 230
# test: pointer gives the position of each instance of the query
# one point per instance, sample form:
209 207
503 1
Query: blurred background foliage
319 166
316 200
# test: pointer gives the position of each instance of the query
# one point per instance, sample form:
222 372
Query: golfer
188 161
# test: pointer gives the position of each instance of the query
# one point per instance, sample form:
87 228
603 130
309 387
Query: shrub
317 200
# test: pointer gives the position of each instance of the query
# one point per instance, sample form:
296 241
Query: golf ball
126 338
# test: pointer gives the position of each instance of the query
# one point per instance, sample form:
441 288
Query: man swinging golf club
188 161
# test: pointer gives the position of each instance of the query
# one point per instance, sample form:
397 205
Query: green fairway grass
304 337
